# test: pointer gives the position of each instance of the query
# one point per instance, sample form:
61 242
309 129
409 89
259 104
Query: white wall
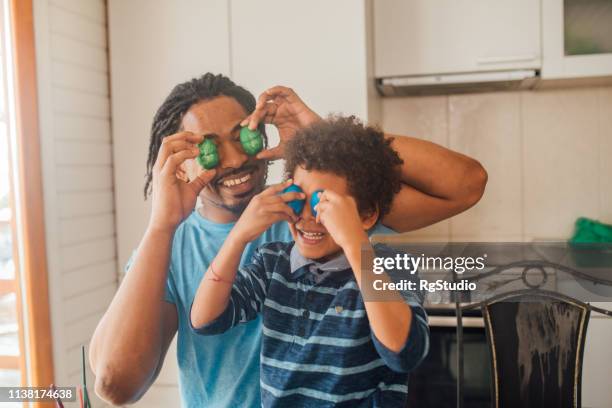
76 143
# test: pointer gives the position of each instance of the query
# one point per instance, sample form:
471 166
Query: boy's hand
173 199
339 215
281 107
264 210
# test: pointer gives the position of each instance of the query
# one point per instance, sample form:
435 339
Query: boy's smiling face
312 239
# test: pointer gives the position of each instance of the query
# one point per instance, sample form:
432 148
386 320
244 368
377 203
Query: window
25 328
12 363
587 27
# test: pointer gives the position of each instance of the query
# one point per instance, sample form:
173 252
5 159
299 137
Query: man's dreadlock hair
167 120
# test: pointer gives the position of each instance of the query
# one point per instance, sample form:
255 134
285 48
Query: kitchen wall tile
426 118
561 160
487 127
423 117
605 154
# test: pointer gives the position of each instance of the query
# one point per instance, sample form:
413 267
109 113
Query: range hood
449 46
457 83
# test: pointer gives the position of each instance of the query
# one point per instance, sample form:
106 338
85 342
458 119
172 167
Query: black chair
536 340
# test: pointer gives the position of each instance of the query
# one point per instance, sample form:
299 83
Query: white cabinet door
576 39
425 37
319 50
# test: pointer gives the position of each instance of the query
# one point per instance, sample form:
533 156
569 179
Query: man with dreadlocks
152 304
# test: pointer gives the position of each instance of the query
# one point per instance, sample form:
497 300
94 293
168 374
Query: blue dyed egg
314 200
296 205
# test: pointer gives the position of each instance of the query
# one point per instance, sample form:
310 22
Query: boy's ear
368 220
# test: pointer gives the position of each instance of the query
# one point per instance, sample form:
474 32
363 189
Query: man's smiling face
239 176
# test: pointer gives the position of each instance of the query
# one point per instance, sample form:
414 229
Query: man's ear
370 219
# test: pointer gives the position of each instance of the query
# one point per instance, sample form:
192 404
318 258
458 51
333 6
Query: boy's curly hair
361 154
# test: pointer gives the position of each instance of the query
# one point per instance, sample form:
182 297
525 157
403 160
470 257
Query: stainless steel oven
434 383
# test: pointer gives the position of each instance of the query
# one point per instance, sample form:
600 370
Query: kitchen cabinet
431 37
576 38
319 50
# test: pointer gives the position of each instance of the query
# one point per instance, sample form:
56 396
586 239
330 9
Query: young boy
323 345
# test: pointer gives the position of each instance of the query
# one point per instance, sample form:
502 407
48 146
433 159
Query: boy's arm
242 304
221 297
399 330
437 184
402 345
213 294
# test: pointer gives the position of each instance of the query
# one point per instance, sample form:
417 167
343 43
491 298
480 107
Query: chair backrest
536 340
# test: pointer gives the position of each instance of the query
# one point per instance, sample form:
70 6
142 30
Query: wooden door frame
33 271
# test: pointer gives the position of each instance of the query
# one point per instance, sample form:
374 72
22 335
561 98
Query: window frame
28 224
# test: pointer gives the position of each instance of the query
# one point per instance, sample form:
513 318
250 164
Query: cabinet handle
501 60
451 321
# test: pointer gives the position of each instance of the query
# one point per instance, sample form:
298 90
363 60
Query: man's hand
281 107
173 198
264 210
339 215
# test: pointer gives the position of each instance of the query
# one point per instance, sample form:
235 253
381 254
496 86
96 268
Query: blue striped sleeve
415 349
246 298
417 344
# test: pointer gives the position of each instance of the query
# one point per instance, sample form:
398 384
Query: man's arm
128 347
437 184
135 321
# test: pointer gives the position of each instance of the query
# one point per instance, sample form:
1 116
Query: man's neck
217 214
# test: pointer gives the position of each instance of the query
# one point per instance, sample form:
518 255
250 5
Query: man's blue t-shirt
218 371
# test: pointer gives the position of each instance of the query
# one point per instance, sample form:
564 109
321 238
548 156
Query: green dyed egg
251 140
209 157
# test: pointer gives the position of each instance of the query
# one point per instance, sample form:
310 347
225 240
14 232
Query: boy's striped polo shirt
318 349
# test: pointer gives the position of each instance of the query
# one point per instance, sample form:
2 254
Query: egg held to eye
251 140
209 156
314 200
296 205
